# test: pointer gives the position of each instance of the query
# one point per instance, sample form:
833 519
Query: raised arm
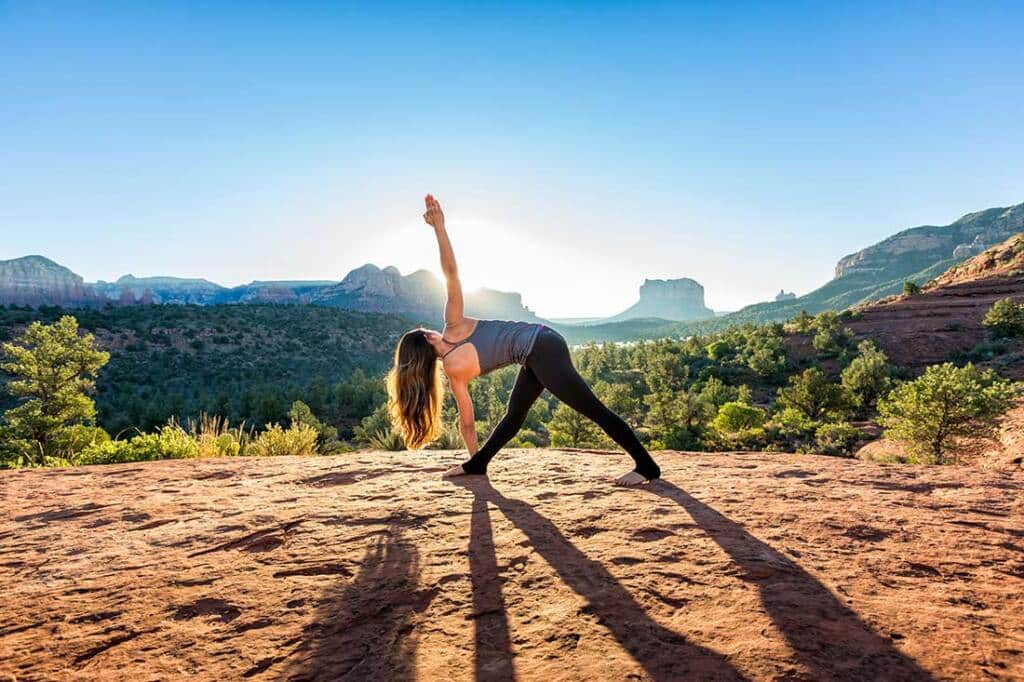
453 308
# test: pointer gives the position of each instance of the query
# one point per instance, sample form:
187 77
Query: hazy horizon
577 150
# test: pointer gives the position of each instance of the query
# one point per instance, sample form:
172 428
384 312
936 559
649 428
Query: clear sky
577 147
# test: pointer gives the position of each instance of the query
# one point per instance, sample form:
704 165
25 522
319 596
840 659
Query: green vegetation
784 387
911 288
1005 319
944 405
252 363
53 369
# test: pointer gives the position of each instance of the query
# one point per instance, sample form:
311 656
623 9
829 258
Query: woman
468 348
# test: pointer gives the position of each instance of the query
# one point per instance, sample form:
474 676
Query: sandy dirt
369 566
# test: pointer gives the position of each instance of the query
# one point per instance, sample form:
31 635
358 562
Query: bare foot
456 470
631 479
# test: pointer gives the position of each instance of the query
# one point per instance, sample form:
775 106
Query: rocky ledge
369 566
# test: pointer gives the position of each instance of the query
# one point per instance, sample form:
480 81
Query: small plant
911 288
297 440
387 439
836 438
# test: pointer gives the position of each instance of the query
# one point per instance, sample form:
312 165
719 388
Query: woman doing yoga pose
468 348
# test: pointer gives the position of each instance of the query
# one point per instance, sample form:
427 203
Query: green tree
813 394
931 414
53 370
569 428
1005 319
868 376
735 416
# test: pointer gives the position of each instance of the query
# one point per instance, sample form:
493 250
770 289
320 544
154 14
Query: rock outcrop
369 566
419 294
919 248
36 281
945 318
179 290
918 254
669 299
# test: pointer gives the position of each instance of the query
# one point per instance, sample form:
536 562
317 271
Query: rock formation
163 289
918 254
36 281
669 299
369 566
420 294
945 317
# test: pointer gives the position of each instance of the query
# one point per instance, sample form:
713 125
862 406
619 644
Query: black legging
549 366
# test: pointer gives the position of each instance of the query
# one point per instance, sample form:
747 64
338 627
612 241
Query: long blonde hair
416 390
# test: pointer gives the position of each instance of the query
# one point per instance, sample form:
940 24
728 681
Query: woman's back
501 342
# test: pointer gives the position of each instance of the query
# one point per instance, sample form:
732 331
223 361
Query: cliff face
35 281
668 299
161 289
910 251
918 254
945 318
371 289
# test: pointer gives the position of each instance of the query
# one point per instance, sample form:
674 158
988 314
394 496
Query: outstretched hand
434 215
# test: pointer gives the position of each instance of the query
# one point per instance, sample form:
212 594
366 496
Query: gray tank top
500 342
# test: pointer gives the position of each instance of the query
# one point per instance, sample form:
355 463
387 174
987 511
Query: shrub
911 288
733 417
868 376
298 439
1005 319
169 442
836 438
794 423
931 414
813 394
387 439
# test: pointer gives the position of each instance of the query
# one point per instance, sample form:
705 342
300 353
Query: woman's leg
552 365
525 391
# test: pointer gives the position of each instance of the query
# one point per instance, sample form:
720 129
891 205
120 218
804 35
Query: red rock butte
370 566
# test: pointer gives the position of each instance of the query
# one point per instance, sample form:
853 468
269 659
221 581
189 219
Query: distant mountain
917 254
668 299
418 294
38 281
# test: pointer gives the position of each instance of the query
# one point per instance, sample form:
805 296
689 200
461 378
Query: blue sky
577 147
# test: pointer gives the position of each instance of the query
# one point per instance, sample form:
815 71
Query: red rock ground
369 566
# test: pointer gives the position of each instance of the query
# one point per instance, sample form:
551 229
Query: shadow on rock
365 629
663 653
828 637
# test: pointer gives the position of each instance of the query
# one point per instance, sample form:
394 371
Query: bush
387 439
733 417
297 440
911 288
931 414
169 442
1005 319
867 377
793 423
836 438
813 394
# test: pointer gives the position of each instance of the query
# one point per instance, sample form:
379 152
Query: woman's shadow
828 637
663 653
